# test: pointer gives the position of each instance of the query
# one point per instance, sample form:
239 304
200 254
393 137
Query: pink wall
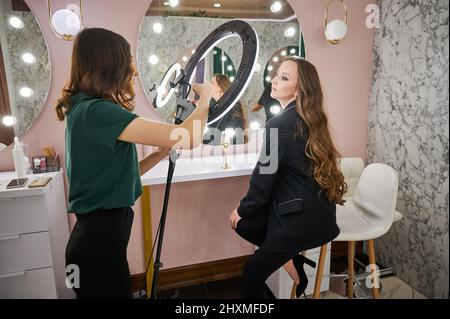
345 70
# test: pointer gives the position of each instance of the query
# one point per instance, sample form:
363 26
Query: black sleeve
264 175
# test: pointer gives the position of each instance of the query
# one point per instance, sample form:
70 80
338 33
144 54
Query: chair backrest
351 168
376 193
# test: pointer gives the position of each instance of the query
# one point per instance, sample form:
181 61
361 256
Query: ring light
243 73
160 102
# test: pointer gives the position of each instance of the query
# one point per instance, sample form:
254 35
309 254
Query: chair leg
319 273
375 283
351 269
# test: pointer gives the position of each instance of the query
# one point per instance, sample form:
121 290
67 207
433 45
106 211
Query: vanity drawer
37 283
19 215
24 252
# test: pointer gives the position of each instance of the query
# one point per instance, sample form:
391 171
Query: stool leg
375 283
351 270
319 273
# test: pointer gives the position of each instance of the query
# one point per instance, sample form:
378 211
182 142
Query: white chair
366 215
2 146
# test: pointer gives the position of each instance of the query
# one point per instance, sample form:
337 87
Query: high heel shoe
299 261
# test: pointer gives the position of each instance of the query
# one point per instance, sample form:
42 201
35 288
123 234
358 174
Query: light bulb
268 79
229 132
224 58
283 53
269 68
335 31
276 6
292 51
289 32
153 59
16 22
275 109
66 22
229 68
217 5
173 3
231 78
9 120
28 58
185 58
157 27
26 91
254 125
275 59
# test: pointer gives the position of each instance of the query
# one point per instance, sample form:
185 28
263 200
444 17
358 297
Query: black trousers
98 246
263 262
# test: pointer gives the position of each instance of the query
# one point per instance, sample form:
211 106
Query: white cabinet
34 231
281 284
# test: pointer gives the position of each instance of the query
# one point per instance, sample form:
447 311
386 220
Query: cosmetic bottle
19 159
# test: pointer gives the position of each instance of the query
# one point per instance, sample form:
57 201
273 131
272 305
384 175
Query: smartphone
17 183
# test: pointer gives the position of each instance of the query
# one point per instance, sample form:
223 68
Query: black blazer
300 217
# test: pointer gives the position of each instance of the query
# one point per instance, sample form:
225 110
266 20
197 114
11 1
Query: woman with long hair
101 160
290 206
235 119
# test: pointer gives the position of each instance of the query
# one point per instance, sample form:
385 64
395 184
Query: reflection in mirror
24 70
170 34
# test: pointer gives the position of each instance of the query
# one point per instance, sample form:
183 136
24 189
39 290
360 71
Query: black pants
98 246
263 262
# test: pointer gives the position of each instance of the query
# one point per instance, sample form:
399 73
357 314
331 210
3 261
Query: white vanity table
191 172
34 231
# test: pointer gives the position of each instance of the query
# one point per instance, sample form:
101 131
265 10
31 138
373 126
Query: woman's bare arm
187 135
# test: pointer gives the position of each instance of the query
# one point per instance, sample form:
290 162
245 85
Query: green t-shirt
103 172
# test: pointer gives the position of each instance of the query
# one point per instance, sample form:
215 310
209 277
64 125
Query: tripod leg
158 264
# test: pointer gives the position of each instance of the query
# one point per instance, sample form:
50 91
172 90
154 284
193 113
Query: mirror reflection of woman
234 119
290 206
101 161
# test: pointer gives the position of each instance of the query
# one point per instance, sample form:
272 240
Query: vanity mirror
170 35
24 70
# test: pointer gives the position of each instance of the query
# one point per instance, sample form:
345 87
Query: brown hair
102 67
319 146
224 83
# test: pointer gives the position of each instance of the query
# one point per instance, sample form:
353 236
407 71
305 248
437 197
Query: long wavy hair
102 67
319 146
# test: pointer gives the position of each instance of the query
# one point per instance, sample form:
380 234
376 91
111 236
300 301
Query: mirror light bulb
153 59
157 27
289 32
276 6
28 58
26 91
16 22
254 125
173 3
275 109
9 120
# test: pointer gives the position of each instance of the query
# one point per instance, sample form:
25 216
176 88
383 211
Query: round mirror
170 34
24 70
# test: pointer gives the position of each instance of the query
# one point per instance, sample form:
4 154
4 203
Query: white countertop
201 168
6 177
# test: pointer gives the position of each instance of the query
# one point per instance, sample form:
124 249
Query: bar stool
367 215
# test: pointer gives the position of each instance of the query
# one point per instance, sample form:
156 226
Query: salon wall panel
408 129
345 70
